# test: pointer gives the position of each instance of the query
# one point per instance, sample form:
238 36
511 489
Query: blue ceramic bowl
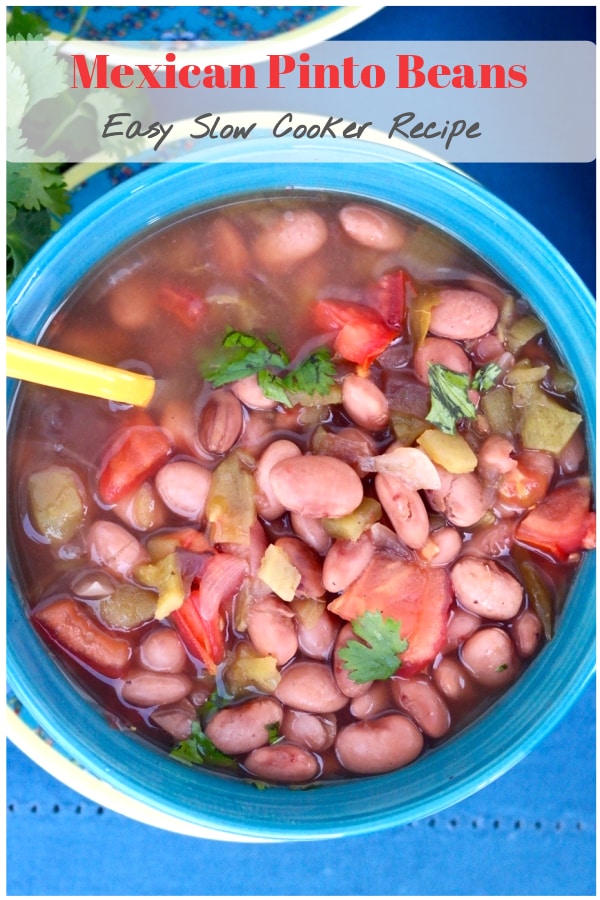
524 715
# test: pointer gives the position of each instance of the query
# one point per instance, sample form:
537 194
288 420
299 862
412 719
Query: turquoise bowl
219 805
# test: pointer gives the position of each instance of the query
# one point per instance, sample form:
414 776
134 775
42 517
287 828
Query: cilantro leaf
27 24
376 656
486 377
198 749
450 399
242 355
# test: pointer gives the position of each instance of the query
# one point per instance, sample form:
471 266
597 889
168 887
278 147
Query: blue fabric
531 833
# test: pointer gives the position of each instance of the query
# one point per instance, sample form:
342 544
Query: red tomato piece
182 302
68 624
563 523
138 453
199 620
362 335
527 484
390 296
202 637
416 596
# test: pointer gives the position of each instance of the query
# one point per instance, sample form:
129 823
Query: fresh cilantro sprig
243 354
450 399
377 655
199 750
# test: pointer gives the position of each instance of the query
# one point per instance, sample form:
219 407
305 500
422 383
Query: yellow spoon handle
29 362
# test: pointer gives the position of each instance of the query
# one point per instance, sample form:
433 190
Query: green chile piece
56 503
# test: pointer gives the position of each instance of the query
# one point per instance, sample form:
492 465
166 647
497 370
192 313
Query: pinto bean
491 657
317 640
142 510
462 314
461 498
527 631
485 589
143 688
242 728
496 457
376 700
176 719
311 531
316 733
452 681
572 455
249 392
112 546
442 548
379 745
442 351
405 509
221 422
161 650
349 444
267 503
372 227
307 562
318 486
228 247
346 685
417 697
491 540
461 625
345 561
282 762
293 236
183 487
131 303
272 630
364 402
310 687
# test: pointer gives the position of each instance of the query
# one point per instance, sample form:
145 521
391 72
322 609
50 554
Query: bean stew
349 518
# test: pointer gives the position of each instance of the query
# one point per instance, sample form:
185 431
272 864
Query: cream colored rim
45 755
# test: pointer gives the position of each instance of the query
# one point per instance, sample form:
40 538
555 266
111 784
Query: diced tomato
199 620
416 596
563 523
68 624
527 484
203 638
362 335
184 303
390 296
137 454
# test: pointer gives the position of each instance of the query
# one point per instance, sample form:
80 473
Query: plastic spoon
29 362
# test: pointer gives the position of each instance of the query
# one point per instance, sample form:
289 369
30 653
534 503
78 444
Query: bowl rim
446 774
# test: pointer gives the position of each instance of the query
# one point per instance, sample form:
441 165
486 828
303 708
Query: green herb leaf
242 355
274 734
486 377
27 24
378 657
200 750
450 399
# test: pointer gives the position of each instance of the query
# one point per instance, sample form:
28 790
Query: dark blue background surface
530 833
